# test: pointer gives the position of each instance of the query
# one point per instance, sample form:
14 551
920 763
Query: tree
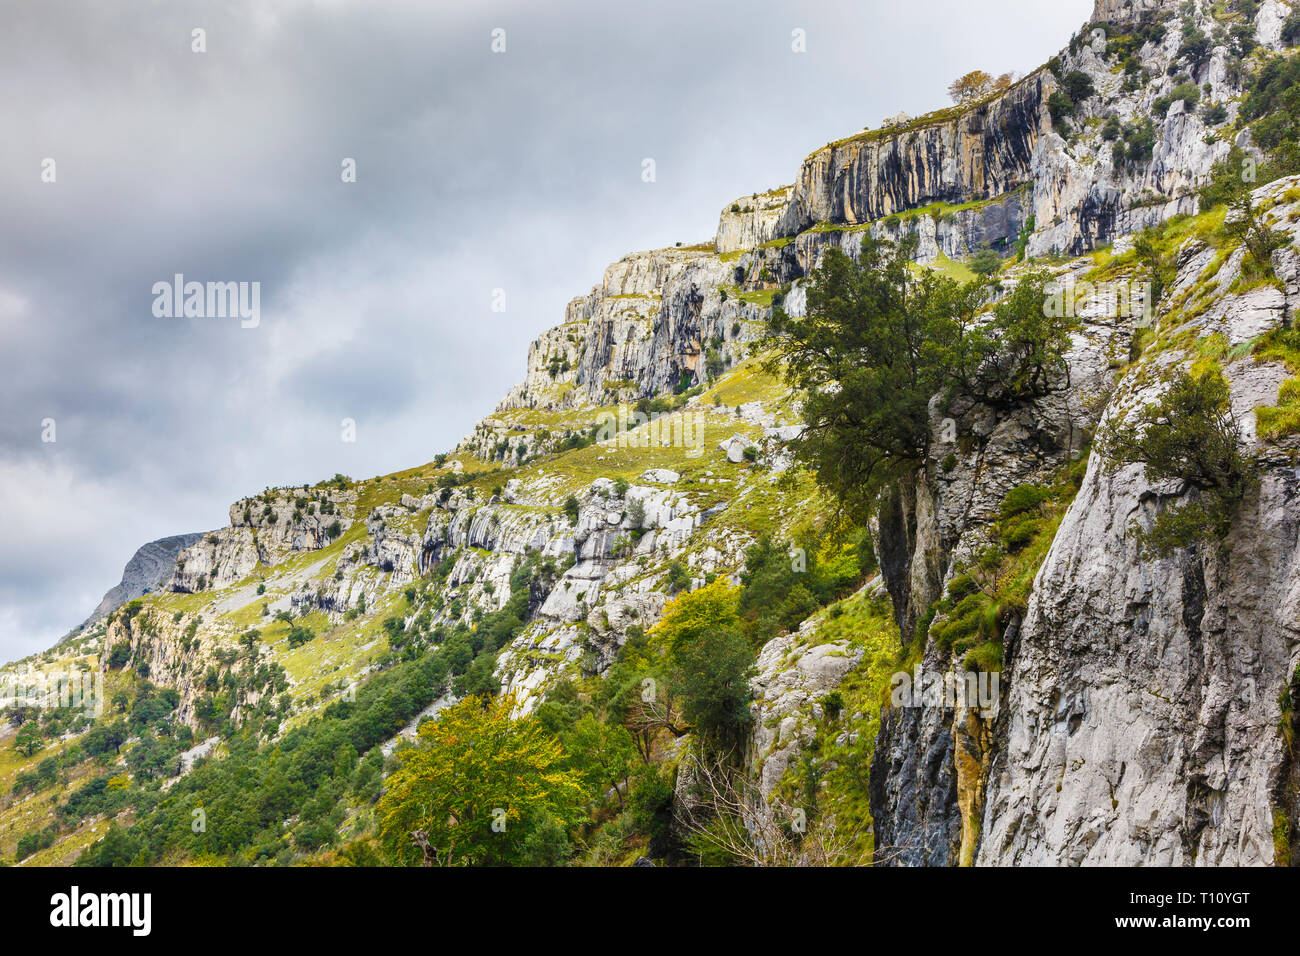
710 662
475 787
711 678
878 342
29 739
636 512
985 262
690 615
1078 86
604 755
1189 435
1260 239
1023 348
976 85
678 577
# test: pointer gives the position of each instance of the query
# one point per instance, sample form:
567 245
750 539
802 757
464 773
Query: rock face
638 332
1128 11
792 679
149 569
263 530
750 222
958 156
1146 730
1140 720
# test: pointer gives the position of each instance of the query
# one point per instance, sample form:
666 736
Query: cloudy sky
476 171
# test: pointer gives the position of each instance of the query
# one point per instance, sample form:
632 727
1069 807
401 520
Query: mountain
150 567
635 515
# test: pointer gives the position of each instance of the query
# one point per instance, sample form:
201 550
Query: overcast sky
476 171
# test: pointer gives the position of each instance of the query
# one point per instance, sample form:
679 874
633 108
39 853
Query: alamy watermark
1067 298
969 690
629 428
208 300
82 690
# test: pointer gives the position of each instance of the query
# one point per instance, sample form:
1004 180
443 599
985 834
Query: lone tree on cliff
977 84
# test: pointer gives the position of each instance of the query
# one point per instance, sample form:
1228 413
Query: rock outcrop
150 568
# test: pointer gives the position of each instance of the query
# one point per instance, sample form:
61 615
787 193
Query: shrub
985 262
1060 106
1214 114
1189 435
1078 86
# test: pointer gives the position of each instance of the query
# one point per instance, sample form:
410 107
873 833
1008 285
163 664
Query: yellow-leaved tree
481 789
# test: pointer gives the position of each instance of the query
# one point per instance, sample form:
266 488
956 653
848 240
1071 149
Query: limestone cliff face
751 221
263 530
1140 721
638 332
958 156
1128 11
1143 723
1001 172
926 781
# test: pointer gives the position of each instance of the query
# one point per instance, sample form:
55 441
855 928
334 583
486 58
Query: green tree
879 341
985 262
603 754
869 354
1022 350
29 739
475 787
711 662
1191 436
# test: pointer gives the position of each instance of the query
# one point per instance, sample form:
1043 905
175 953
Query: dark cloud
476 171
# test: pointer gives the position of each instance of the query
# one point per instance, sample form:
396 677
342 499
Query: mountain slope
645 457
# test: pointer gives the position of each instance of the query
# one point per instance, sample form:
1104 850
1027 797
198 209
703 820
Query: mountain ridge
536 556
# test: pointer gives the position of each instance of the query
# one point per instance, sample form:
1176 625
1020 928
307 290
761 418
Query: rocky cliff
150 568
1141 711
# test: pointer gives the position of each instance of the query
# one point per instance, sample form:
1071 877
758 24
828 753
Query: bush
1189 435
650 808
1023 498
1291 28
1189 93
985 262
1078 86
1060 106
1214 114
